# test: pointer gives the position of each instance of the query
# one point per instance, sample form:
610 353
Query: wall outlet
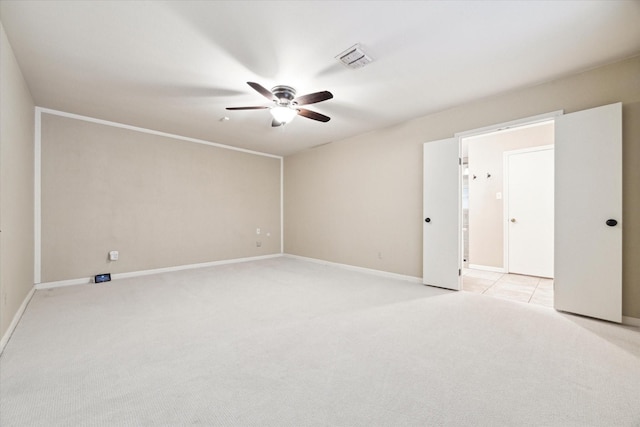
113 255
258 244
258 230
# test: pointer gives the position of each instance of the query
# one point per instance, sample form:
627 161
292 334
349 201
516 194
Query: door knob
612 222
427 220
513 220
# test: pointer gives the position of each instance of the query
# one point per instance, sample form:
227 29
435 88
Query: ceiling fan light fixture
286 104
283 114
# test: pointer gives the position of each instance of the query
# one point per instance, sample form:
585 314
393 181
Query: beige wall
631 207
16 186
485 155
159 201
359 201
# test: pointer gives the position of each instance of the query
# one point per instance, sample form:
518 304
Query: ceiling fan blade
263 91
247 108
313 115
312 98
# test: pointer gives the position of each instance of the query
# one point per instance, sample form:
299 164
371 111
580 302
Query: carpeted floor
286 342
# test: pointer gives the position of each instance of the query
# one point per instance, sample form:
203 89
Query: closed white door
529 211
442 259
588 213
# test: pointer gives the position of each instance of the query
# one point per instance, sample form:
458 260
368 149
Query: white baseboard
359 269
631 321
60 283
116 276
16 319
487 268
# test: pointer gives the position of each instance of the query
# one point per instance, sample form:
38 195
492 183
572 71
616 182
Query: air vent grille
354 57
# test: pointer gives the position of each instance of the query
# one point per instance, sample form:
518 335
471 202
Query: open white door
588 213
441 260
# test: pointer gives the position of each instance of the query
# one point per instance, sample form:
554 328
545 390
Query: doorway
507 208
587 275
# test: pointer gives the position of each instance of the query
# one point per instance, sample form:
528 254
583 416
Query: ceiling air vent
354 57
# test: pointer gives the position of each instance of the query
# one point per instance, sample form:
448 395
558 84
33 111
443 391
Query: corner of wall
16 187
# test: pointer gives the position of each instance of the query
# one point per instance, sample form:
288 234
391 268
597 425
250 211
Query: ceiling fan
286 104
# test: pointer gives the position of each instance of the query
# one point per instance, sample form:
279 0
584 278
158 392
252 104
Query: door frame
505 196
603 122
518 123
444 279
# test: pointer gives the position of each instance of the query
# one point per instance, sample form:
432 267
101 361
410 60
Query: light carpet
286 342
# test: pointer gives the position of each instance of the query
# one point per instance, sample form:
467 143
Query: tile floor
515 287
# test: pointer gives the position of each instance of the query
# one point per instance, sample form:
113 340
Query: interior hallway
515 287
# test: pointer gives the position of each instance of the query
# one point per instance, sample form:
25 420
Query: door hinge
459 272
460 161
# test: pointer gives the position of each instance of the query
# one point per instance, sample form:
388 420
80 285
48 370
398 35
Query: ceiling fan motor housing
285 94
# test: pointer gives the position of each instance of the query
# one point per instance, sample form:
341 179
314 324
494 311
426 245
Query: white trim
61 283
116 276
16 318
281 205
528 121
486 268
631 321
505 196
152 132
37 200
358 269
37 264
530 149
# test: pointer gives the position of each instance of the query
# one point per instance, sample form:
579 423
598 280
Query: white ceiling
174 66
